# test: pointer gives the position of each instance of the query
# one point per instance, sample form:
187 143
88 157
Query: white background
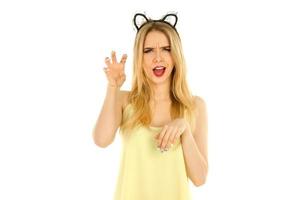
243 59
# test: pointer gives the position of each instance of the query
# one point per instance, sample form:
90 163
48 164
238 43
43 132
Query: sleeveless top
147 174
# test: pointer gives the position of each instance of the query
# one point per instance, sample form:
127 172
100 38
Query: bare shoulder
199 103
198 99
124 98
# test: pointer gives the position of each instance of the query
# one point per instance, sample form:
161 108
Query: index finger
113 56
160 136
123 59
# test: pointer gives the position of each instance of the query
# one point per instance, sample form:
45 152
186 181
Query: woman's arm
109 118
195 146
111 113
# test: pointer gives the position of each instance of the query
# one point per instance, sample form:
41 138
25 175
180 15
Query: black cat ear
171 19
139 19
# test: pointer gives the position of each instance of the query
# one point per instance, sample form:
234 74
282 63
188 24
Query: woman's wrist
113 86
187 131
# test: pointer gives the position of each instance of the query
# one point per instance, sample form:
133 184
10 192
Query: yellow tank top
147 174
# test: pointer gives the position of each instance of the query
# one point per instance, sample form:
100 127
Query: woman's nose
157 56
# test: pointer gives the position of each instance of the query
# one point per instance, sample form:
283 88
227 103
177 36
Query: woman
162 126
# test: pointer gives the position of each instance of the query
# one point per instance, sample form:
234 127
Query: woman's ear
139 19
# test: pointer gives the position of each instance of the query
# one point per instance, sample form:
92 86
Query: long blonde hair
139 97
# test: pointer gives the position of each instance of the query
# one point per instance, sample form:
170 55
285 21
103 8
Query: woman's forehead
156 38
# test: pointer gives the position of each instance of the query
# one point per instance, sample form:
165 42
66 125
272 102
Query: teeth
159 67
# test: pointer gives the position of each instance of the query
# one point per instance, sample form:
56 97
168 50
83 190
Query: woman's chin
160 80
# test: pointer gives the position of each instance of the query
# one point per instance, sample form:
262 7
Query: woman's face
157 60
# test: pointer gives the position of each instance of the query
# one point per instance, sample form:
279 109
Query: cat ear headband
147 20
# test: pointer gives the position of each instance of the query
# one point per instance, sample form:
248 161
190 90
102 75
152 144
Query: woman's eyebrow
160 47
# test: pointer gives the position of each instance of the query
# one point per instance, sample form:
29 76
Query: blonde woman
162 126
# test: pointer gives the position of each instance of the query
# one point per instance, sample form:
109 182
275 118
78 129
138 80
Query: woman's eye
147 51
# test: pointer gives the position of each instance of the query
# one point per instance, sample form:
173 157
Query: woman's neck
161 92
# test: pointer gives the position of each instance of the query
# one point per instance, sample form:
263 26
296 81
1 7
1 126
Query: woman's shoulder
199 102
198 99
124 98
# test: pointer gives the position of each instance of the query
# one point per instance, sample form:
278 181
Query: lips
159 70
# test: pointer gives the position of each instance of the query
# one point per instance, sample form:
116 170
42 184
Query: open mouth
159 71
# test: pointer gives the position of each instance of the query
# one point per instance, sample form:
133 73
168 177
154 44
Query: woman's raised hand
115 70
